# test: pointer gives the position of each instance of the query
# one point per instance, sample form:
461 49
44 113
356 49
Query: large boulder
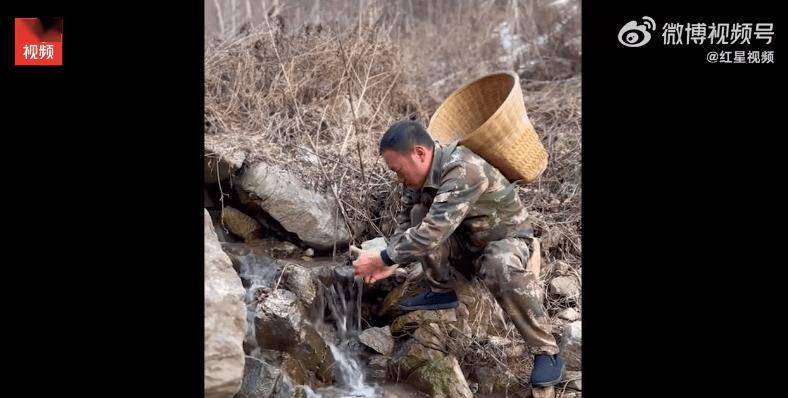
310 215
225 320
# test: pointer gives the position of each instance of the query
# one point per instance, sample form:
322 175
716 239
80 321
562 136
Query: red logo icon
38 41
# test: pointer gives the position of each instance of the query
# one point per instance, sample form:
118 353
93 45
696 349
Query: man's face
411 168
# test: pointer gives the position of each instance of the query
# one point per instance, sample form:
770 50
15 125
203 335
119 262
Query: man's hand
369 265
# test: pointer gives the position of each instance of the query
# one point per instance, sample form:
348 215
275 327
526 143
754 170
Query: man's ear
421 152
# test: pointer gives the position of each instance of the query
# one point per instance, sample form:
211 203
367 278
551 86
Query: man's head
407 149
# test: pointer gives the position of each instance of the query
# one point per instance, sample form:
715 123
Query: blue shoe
548 370
430 301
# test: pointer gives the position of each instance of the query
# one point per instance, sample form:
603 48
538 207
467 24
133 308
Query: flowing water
342 301
337 317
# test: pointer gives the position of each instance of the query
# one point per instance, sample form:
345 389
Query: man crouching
460 213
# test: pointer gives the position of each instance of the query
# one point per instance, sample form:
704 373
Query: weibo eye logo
633 34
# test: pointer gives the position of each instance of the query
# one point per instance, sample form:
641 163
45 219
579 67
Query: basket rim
465 86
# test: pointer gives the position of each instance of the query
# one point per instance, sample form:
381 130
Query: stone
313 352
299 279
410 355
379 339
310 215
478 309
561 267
571 344
574 379
295 371
225 320
278 320
565 286
377 367
378 244
420 317
284 250
240 224
441 377
570 314
390 305
309 252
492 380
217 169
259 379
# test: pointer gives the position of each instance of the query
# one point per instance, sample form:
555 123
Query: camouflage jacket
464 194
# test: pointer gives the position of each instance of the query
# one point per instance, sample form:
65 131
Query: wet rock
574 379
309 252
570 314
379 339
241 224
295 371
250 337
571 344
345 273
278 320
299 210
253 265
298 279
259 379
565 286
377 367
441 377
225 320
313 352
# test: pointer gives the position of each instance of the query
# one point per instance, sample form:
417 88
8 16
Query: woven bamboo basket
488 117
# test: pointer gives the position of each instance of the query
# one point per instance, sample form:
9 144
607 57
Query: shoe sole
552 383
431 307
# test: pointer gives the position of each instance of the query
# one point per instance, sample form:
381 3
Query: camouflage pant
501 265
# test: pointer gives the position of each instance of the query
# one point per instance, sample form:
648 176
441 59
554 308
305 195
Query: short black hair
403 135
